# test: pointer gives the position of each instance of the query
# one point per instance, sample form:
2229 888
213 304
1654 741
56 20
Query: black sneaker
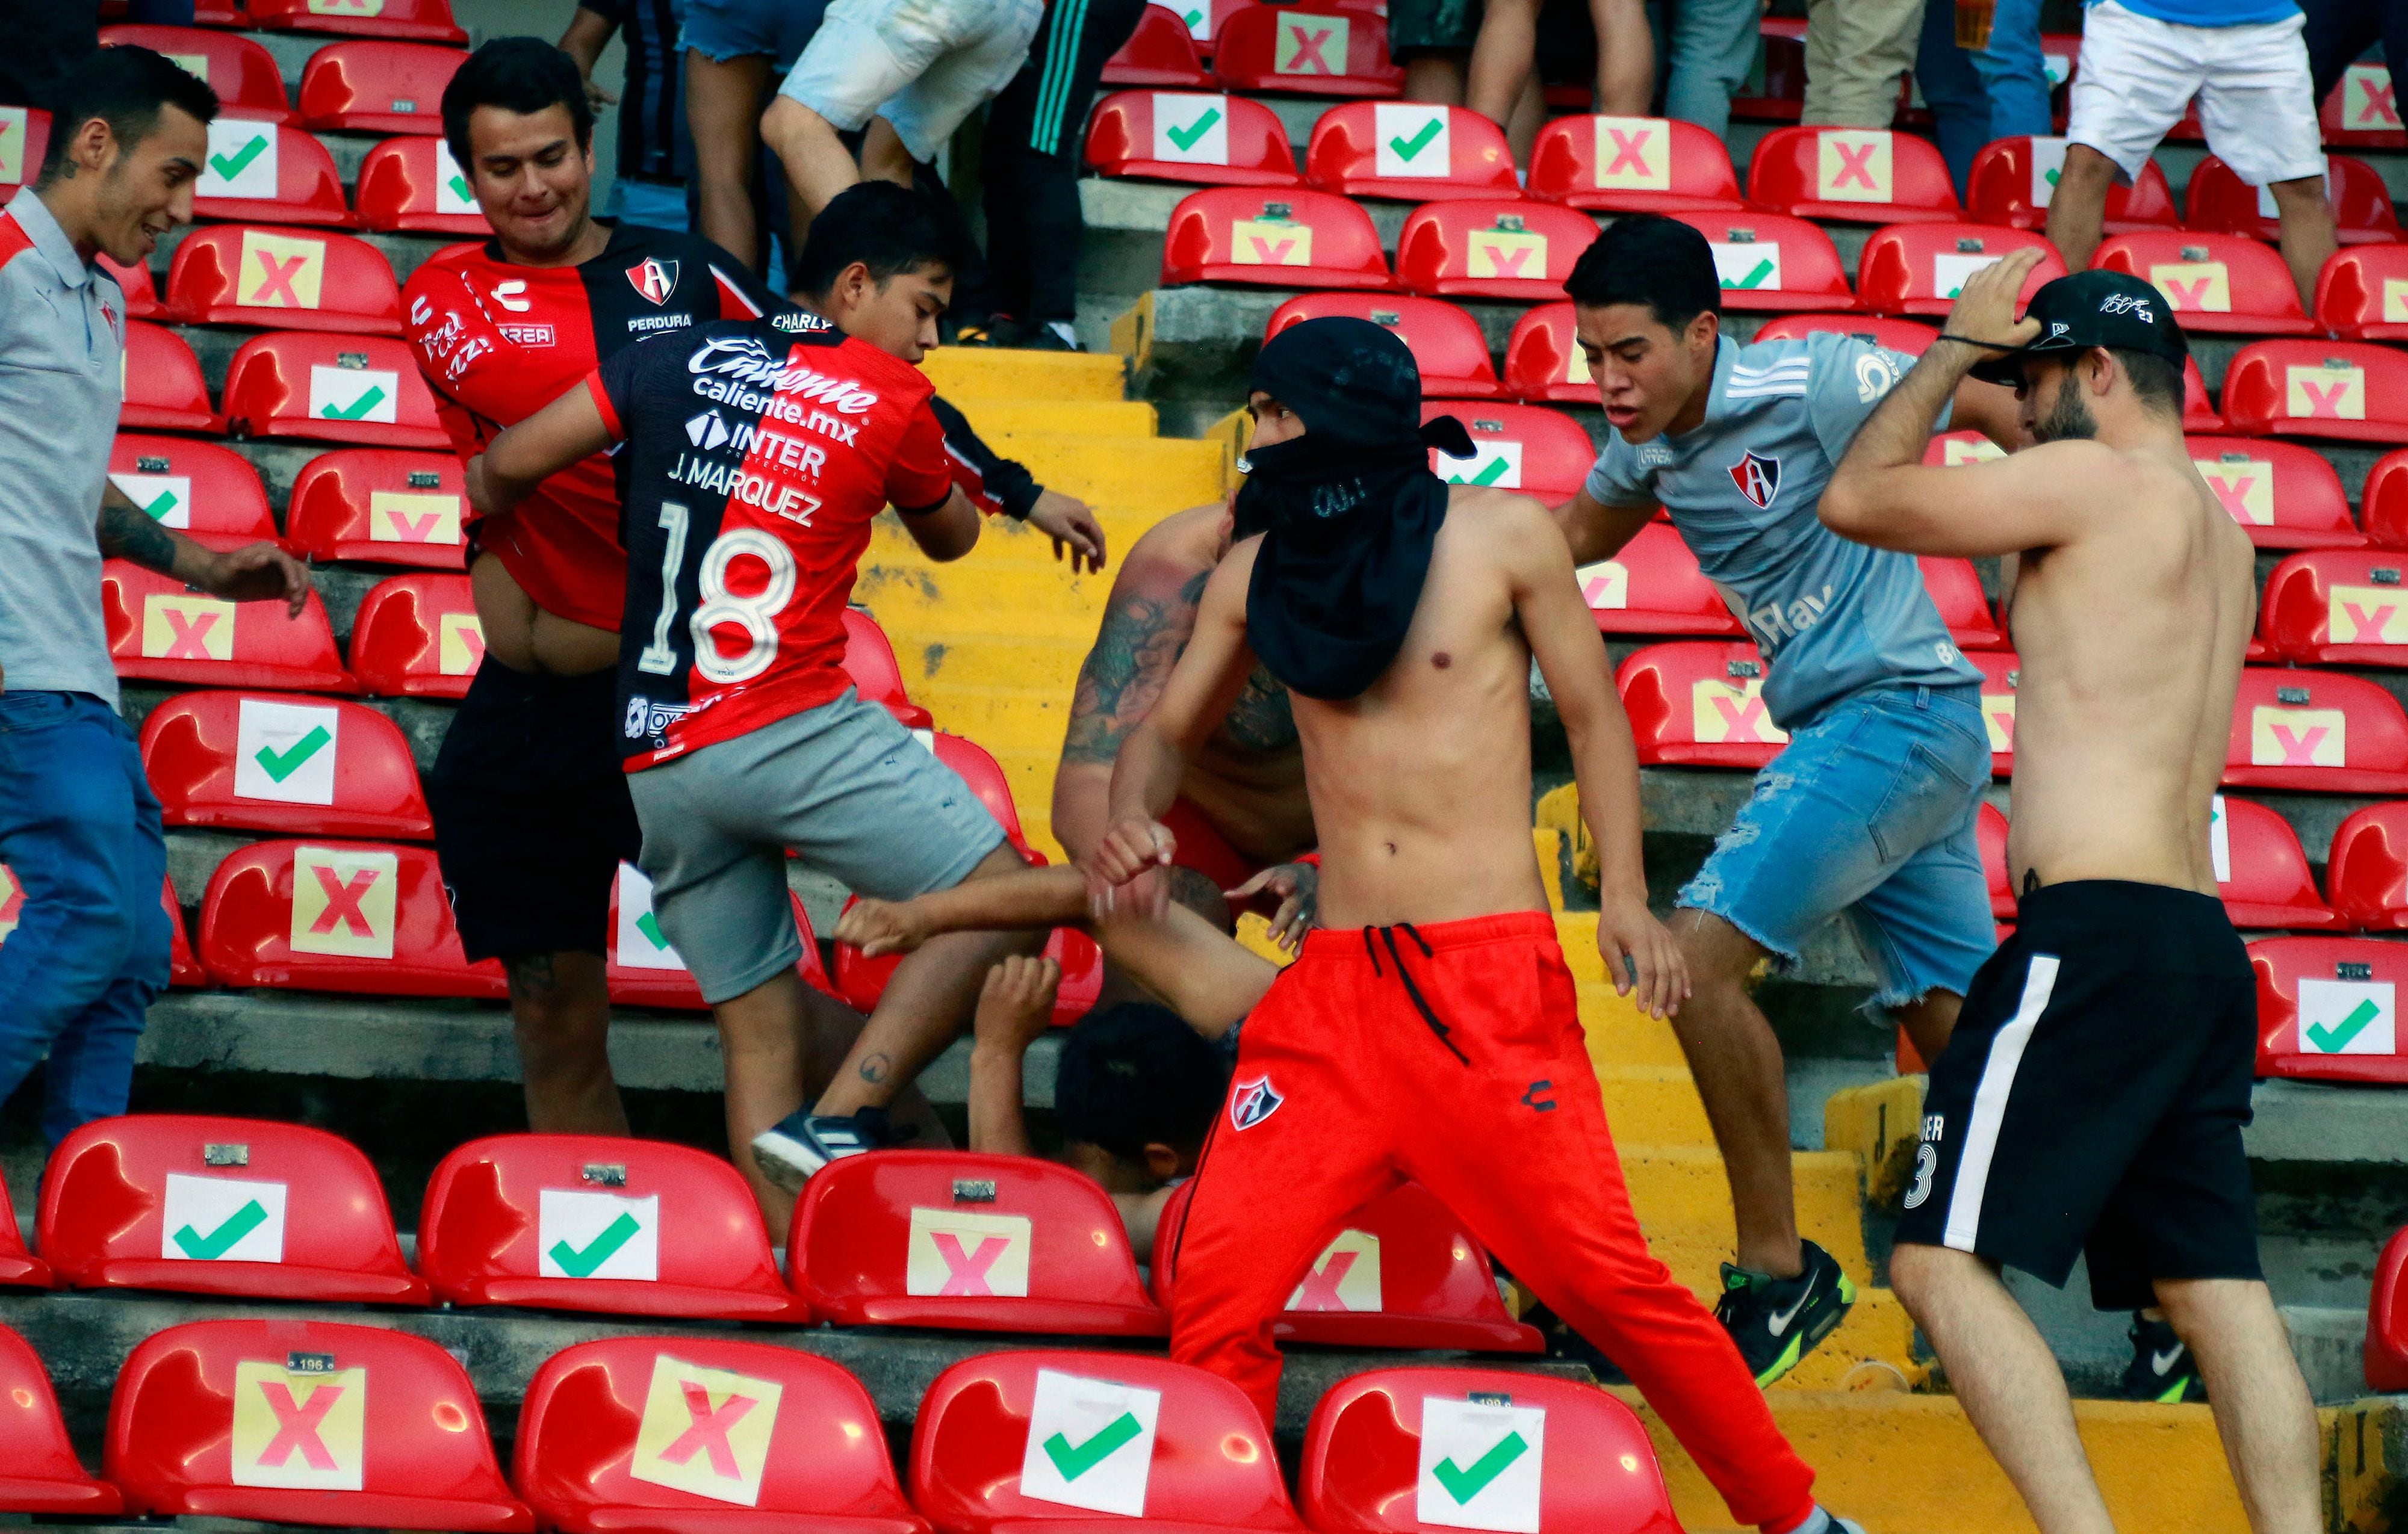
1776 1321
981 332
2162 1368
803 1143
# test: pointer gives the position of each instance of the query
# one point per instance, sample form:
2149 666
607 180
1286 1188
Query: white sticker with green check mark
241 159
2219 839
1090 1443
221 1219
1495 464
452 193
1198 14
1480 1465
598 1235
286 752
354 393
1411 139
2348 1017
167 497
637 940
2047 164
1191 129
1747 264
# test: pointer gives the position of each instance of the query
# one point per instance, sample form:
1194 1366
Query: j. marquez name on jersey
744 487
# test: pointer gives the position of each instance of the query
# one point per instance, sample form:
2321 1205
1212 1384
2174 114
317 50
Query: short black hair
890 228
2156 382
521 75
1646 258
1136 1075
127 88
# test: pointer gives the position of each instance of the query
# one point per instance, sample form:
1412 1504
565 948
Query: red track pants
1452 1053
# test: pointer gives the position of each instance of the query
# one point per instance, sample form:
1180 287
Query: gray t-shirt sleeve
1615 479
1849 378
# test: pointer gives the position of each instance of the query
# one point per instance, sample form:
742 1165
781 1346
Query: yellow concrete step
990 418
962 374
1160 474
938 603
1038 663
1912 1463
999 718
1683 1201
1653 1105
1621 1034
1881 1125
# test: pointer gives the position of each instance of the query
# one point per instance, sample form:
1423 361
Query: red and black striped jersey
757 453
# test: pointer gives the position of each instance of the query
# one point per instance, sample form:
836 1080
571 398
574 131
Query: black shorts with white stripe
2092 1098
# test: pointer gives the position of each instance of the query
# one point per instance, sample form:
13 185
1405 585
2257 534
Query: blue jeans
654 204
1869 813
2000 91
79 830
1712 46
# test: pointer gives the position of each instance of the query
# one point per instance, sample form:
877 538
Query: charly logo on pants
1251 1101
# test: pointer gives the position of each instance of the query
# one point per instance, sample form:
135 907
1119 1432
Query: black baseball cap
2090 310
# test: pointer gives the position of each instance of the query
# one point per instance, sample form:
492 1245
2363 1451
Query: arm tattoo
125 533
1141 639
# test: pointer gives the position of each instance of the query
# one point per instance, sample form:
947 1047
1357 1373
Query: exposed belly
1256 799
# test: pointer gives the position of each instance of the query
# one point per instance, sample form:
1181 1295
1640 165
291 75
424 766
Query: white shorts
2255 99
924 66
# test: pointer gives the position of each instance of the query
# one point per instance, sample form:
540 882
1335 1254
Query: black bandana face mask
1348 511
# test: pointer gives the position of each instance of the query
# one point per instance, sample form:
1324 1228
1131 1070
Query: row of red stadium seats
372 86
422 21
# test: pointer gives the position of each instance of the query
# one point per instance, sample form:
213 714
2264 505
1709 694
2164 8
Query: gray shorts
924 66
845 786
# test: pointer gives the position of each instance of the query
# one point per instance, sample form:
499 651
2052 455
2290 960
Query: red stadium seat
210 494
643 970
1990 831
1776 90
421 20
1950 448
2261 871
2215 283
141 294
578 1222
1403 1273
359 389
997 1446
2328 1009
162 630
1159 54
226 1206
689 1432
2198 413
40 1471
242 71
183 971
2315 731
2347 390
1956 592
2363 294
1770 261
967 1243
1400 1451
236 275
860 982
2284 495
354 916
1698 704
2001 674
418 636
1329 50
383 506
1633 164
25 139
376 87
414 186
1519 446
215 13
1919 268
2386 1319
2222 202
306 1422
164 390
2337 607
263 172
2363 111
2385 499
1492 247
2368 873
1281 239
1543 360
870 661
1410 152
1215 140
19 1268
1446 343
1907 336
1852 176
1653 585
265 761
2013 179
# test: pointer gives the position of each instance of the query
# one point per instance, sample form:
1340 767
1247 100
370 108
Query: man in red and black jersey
756 454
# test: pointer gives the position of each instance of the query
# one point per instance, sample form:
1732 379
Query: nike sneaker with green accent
1777 1321
2162 1368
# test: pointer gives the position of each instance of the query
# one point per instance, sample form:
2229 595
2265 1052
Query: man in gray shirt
79 830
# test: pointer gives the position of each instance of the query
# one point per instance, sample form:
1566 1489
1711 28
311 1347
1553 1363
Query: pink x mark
188 641
708 1433
343 903
1308 51
1856 165
2325 404
415 529
1321 1289
2006 723
276 279
2298 750
1269 254
2381 106
472 639
1742 723
966 1273
2189 295
1508 260
2370 625
297 1425
2235 495
1628 152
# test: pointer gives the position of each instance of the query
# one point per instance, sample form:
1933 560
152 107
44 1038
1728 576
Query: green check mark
1464 1484
1192 18
460 187
284 764
157 510
1408 147
1076 1462
230 168
2334 1038
1488 475
358 407
581 1264
2053 176
650 925
241 1223
1185 137
1763 270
